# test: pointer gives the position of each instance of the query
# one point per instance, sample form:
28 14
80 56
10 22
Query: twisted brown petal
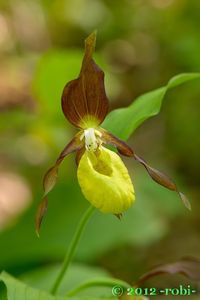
41 211
156 175
189 267
50 179
84 101
163 180
122 147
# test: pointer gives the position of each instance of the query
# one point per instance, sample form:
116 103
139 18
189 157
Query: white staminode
92 140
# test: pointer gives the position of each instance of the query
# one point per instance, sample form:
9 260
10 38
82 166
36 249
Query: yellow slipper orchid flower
103 178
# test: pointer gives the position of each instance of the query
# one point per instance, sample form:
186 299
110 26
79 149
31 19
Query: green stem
105 282
72 248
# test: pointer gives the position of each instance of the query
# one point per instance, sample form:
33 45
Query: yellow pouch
105 181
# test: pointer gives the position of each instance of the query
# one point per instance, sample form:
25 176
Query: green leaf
17 290
123 121
44 277
77 274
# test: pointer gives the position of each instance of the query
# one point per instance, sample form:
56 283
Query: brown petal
122 147
50 178
79 154
163 180
84 101
189 267
42 208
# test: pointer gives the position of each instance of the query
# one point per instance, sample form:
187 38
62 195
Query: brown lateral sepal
50 178
163 180
122 147
42 208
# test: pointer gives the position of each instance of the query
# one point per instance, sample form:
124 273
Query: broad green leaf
123 121
17 290
43 278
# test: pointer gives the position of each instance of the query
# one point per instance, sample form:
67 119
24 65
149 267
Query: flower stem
72 248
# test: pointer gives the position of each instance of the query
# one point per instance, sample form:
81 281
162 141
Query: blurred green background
140 45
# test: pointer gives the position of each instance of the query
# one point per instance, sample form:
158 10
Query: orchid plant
102 175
